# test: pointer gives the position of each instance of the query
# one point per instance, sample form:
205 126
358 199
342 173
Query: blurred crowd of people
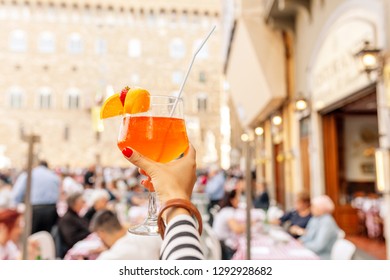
65 203
310 222
88 212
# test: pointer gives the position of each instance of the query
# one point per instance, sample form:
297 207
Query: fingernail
127 152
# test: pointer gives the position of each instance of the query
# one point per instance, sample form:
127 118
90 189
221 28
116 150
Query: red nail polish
127 152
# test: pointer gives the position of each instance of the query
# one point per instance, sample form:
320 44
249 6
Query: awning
256 70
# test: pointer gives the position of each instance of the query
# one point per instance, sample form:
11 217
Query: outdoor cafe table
268 247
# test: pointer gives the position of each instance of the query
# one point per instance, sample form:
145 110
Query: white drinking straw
189 69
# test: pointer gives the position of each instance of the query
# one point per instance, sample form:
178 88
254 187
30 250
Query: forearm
181 239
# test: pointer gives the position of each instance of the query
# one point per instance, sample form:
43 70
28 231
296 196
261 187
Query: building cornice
199 7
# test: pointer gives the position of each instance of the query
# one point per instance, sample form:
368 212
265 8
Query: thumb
138 160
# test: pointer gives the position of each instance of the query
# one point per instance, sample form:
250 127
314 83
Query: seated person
11 229
322 231
137 196
226 226
98 201
121 244
10 232
260 196
71 226
261 200
5 195
298 218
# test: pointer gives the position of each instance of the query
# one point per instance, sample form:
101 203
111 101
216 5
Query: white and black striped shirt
181 241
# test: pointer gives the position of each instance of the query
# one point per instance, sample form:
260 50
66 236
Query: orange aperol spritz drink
159 134
161 139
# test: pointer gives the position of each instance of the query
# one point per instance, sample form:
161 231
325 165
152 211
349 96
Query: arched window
26 13
73 98
184 19
206 21
51 13
44 98
177 77
177 48
173 19
130 19
46 42
210 147
151 18
75 44
63 16
101 46
161 19
87 15
15 97
201 102
202 77
134 48
14 12
172 99
18 41
110 18
3 13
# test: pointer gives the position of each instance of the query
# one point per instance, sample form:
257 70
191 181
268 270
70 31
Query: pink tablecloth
264 247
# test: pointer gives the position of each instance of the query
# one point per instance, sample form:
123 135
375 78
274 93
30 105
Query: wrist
175 207
174 195
175 211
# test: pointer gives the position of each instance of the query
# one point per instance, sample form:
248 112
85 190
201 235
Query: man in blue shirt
45 191
214 188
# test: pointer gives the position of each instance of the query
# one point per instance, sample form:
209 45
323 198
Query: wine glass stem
152 207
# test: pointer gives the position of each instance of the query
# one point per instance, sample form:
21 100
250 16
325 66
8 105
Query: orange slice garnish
112 107
137 101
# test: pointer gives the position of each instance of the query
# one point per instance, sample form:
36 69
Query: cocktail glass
159 135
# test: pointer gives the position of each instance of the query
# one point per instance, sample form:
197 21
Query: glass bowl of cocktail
153 126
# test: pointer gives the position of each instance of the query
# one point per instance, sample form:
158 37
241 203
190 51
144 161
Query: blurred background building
321 114
61 59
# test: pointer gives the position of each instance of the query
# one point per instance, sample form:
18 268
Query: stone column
383 100
383 105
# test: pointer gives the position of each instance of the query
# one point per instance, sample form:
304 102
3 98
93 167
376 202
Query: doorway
350 137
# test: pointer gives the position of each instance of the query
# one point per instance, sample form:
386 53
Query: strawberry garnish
122 96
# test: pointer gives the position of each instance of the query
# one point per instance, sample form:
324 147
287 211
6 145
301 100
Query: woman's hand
175 179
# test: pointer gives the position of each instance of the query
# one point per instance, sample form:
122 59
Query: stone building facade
58 58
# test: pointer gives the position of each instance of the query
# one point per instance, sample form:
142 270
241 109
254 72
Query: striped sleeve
181 241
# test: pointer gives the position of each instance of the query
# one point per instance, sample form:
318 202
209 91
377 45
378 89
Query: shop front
344 120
